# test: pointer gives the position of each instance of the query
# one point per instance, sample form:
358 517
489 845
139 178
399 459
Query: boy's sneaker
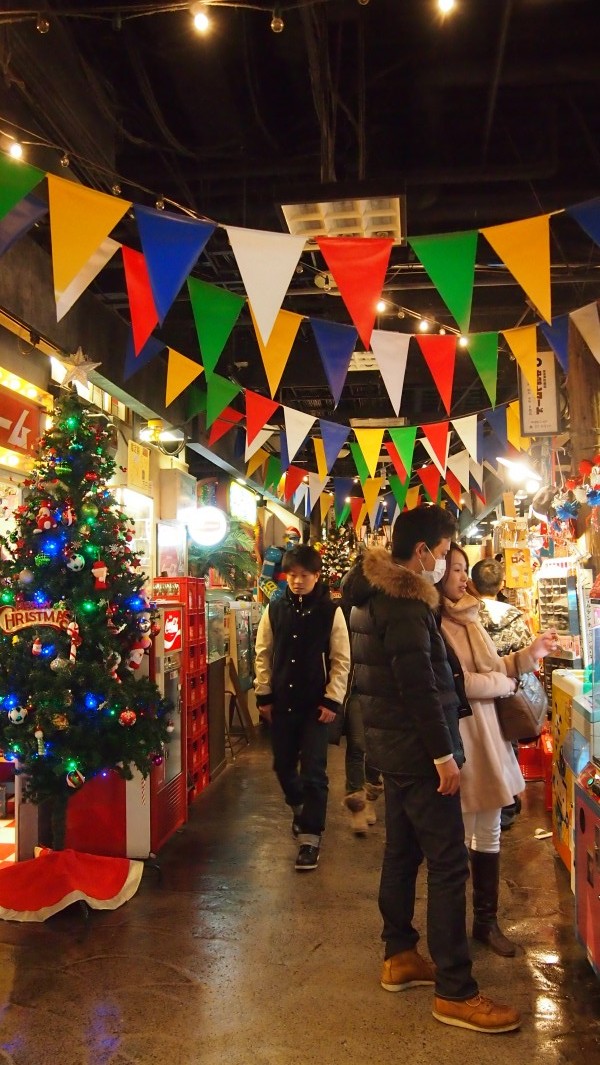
406 969
308 857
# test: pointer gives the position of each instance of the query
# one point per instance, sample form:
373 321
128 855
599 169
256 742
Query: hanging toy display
99 571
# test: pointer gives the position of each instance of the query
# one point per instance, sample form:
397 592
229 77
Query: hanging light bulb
277 22
16 150
446 6
160 204
201 19
423 325
381 306
42 24
65 161
463 342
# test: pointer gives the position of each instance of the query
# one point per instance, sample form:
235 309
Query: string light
446 6
277 22
423 325
42 24
16 150
463 342
201 19
381 306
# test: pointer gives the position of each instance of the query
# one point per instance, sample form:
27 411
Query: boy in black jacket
302 667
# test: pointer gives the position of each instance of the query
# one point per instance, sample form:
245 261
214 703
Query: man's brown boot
479 1014
406 969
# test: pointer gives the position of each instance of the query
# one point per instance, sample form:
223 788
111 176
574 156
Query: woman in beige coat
491 775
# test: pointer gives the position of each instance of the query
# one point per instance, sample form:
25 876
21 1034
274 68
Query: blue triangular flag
587 215
342 488
479 440
134 362
334 437
171 245
496 420
557 336
284 451
336 345
490 447
18 221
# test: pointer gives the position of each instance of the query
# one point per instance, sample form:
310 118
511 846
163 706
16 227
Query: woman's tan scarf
466 613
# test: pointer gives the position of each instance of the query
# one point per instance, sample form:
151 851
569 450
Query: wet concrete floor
233 957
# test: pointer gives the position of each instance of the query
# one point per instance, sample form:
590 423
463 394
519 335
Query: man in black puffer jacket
411 712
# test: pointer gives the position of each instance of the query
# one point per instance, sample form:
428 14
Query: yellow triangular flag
369 442
80 220
371 493
412 497
320 457
513 428
181 371
523 344
258 459
276 353
325 504
360 520
524 248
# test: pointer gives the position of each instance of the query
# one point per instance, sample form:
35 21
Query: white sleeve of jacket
263 655
339 659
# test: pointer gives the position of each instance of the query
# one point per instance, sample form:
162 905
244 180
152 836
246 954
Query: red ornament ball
127 718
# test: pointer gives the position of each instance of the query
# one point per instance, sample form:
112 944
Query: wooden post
583 390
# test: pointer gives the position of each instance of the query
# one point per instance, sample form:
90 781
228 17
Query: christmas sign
13 618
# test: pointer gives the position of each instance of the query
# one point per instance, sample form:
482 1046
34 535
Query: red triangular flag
258 411
144 316
437 435
439 353
430 476
293 479
453 487
479 496
356 505
359 266
397 462
221 425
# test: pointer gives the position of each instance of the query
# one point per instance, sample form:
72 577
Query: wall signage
539 410
14 618
208 526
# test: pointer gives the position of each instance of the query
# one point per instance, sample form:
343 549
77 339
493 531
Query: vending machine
587 820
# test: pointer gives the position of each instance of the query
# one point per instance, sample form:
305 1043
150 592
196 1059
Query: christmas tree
74 623
337 552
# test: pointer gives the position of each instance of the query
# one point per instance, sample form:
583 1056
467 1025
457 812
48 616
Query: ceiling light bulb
16 150
446 6
116 189
160 204
201 19
463 342
423 325
442 332
65 161
277 22
381 306
42 24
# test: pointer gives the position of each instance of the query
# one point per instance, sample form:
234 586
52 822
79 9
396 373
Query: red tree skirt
39 888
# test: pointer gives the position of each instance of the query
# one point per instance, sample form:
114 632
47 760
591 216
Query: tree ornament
157 759
170 727
75 638
89 510
136 653
127 718
42 560
76 563
68 516
99 571
25 576
36 647
60 721
39 738
44 520
75 779
58 664
144 624
17 715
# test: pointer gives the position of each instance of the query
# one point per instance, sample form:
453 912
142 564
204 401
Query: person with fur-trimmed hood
411 712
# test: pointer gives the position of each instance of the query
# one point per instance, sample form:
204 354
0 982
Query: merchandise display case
141 510
587 816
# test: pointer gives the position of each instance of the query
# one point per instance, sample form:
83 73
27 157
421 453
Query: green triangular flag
195 401
404 442
359 462
345 514
450 262
399 489
483 349
220 391
215 313
16 181
272 473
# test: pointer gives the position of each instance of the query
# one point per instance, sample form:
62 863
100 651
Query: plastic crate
535 760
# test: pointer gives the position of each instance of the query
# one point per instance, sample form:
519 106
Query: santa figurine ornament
136 653
99 571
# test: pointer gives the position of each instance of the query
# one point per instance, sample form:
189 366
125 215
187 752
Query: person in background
302 664
491 774
509 631
500 596
411 710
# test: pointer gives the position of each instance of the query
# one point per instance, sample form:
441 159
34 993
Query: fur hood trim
395 580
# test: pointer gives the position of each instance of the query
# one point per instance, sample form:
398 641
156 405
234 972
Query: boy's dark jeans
422 823
299 739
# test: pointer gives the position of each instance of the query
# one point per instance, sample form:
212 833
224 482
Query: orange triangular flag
276 353
523 344
181 371
439 353
412 497
258 411
524 248
325 504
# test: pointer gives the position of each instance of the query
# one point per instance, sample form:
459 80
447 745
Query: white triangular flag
476 470
431 452
96 263
588 324
297 428
391 350
266 262
467 431
299 497
459 465
316 485
261 437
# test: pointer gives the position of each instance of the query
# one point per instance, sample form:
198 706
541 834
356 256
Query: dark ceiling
488 115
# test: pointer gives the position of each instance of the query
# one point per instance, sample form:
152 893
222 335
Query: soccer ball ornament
76 563
17 715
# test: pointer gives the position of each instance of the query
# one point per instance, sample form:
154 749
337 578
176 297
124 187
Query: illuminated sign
19 423
14 618
172 636
242 503
208 526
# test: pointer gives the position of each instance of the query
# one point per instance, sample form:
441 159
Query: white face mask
434 575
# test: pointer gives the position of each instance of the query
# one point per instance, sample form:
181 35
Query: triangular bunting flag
325 505
403 440
436 443
276 352
452 487
359 462
258 459
300 499
397 462
20 220
357 504
369 441
258 411
588 324
283 451
297 428
103 253
336 344
215 313
391 352
459 465
195 401
134 362
524 248
431 477
341 518
334 437
587 215
557 336
181 371
513 428
316 485
221 425
261 438
272 474
342 488
17 180
359 266
523 344
266 262
483 349
413 497
319 447
220 391
449 260
293 478
144 316
496 420
467 431
476 472
399 488
171 244
371 489
80 220
439 353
